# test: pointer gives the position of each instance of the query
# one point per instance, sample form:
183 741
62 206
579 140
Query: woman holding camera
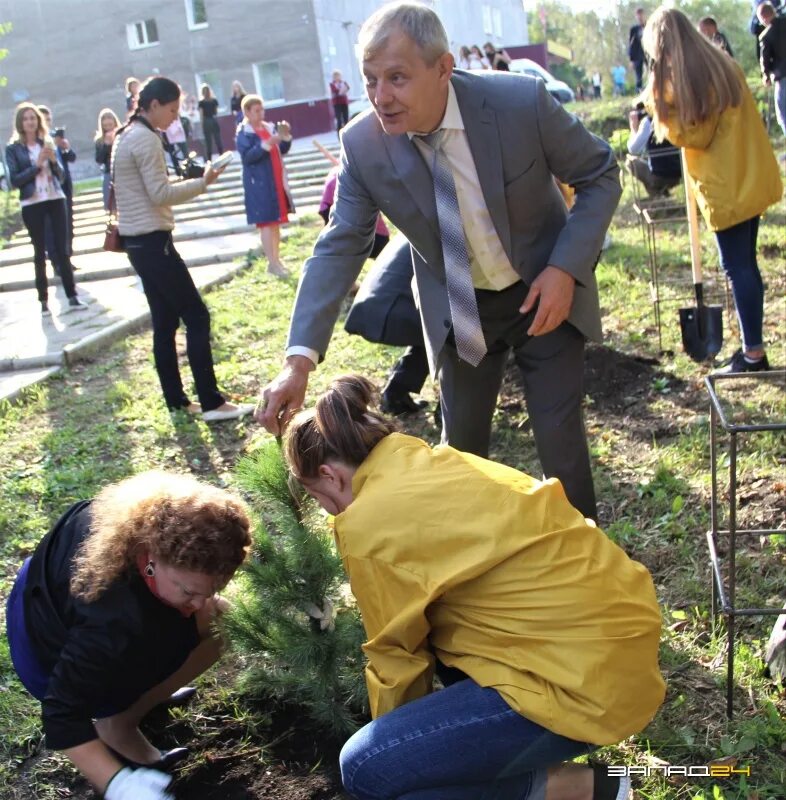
33 168
261 145
114 611
145 198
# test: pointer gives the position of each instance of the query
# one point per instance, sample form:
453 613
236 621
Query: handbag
113 242
191 168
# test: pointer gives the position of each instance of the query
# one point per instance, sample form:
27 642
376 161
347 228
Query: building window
212 78
196 14
267 76
142 34
497 23
487 26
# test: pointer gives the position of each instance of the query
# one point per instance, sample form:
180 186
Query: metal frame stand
724 592
654 213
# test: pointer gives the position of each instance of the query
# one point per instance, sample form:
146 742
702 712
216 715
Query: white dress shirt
488 261
490 265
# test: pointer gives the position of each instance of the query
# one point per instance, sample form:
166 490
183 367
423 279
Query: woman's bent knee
358 768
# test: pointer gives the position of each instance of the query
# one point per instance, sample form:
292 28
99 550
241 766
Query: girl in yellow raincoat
543 631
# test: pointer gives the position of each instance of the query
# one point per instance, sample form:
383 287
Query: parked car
557 89
524 66
358 105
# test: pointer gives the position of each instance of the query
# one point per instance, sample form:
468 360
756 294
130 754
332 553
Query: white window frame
496 15
270 102
132 34
194 26
488 27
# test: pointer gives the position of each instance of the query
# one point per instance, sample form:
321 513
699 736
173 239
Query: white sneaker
218 415
75 304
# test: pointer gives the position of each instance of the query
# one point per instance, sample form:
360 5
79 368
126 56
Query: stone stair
219 212
212 237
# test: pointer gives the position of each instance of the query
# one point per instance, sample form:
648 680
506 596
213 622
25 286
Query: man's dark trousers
552 369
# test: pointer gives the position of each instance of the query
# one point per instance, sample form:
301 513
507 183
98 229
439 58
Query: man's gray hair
416 21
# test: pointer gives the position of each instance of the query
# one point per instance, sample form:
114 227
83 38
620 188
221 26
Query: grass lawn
647 419
87 185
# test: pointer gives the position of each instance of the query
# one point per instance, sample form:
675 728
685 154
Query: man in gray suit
531 260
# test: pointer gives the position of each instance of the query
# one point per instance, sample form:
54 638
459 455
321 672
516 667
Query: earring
150 570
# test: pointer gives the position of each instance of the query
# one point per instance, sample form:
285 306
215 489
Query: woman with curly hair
114 611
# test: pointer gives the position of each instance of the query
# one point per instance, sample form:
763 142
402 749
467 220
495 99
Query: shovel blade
702 331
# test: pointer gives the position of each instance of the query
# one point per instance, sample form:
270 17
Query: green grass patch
648 427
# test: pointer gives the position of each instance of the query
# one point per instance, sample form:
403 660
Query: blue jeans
737 248
460 743
780 103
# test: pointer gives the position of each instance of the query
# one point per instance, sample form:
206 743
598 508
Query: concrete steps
212 237
223 203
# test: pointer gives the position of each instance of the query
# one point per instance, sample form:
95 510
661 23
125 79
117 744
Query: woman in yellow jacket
699 100
543 631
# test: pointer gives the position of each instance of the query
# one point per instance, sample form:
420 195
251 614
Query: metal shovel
702 326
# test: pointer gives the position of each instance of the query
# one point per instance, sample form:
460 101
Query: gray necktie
467 330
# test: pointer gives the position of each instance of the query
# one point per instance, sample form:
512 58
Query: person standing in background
66 156
238 93
208 108
756 27
635 50
132 93
477 61
34 169
709 28
618 77
498 58
176 144
266 193
699 99
108 123
339 95
145 221
596 85
773 57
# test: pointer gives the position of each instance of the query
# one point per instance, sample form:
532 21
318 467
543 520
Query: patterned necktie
467 330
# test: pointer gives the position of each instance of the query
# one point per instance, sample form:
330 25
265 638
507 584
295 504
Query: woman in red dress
261 145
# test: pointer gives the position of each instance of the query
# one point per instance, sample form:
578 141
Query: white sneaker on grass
228 411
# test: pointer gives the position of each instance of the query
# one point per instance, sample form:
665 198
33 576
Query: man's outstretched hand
554 289
284 396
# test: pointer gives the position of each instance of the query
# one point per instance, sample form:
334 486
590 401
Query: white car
557 89
358 105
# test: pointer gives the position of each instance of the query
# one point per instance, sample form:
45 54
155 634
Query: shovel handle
693 223
325 152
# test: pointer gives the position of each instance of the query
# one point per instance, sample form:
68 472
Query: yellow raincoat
730 161
496 574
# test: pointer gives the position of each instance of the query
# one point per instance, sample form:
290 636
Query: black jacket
773 49
22 171
66 157
635 49
102 656
103 155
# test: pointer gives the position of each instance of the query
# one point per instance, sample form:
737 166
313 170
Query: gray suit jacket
519 137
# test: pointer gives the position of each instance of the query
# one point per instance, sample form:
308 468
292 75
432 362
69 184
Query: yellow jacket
730 162
495 573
